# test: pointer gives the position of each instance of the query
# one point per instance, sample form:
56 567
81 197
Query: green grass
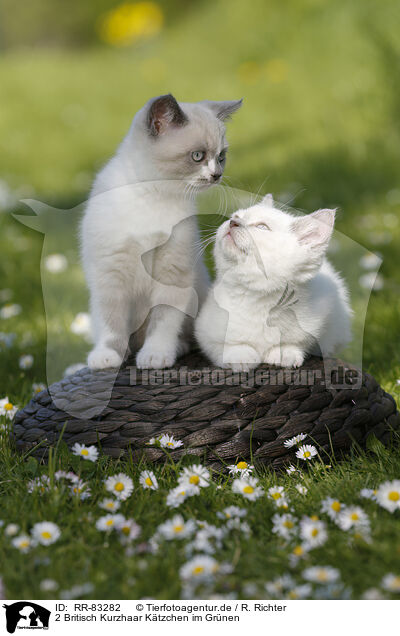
319 127
98 558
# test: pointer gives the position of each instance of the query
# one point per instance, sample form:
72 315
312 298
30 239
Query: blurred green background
320 126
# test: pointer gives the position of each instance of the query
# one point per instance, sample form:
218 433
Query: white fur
275 296
139 232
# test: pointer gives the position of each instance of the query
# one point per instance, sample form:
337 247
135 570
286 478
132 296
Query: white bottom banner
154 617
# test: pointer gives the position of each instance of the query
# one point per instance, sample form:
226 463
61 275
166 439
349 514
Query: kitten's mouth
229 236
231 241
207 183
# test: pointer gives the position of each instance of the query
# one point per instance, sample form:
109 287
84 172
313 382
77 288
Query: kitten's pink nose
233 224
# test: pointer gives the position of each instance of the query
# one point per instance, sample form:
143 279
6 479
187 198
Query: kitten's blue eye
222 156
198 155
262 226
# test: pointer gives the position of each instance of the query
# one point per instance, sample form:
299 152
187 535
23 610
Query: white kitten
139 231
276 298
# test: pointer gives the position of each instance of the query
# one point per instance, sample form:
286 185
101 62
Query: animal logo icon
26 615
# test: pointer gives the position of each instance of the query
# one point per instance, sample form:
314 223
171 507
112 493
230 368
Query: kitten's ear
315 230
164 111
269 200
223 110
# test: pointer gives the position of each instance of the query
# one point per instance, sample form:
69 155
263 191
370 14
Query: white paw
238 367
287 357
292 357
104 358
274 356
240 358
150 358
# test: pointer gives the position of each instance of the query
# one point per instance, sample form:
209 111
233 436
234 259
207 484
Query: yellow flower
276 70
131 22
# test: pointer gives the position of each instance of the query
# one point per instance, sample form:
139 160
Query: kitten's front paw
150 357
240 358
104 358
287 357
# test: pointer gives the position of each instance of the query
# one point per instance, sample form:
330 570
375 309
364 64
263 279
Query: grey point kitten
139 231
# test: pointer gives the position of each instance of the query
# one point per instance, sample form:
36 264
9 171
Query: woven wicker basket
222 419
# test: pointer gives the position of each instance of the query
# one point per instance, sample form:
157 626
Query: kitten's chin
229 248
204 184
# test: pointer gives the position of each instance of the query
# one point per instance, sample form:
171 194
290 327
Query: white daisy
373 594
7 339
11 529
120 485
276 587
55 263
291 469
201 568
284 525
48 585
352 517
361 533
81 325
299 552
7 408
276 493
80 489
306 452
391 582
299 592
313 532
301 489
41 484
179 494
112 505
248 487
242 468
87 452
332 507
321 574
176 528
45 532
128 528
148 480
10 311
207 539
38 387
388 495
109 522
282 503
62 474
294 441
168 441
231 512
370 261
371 281
23 543
368 493
196 474
25 362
